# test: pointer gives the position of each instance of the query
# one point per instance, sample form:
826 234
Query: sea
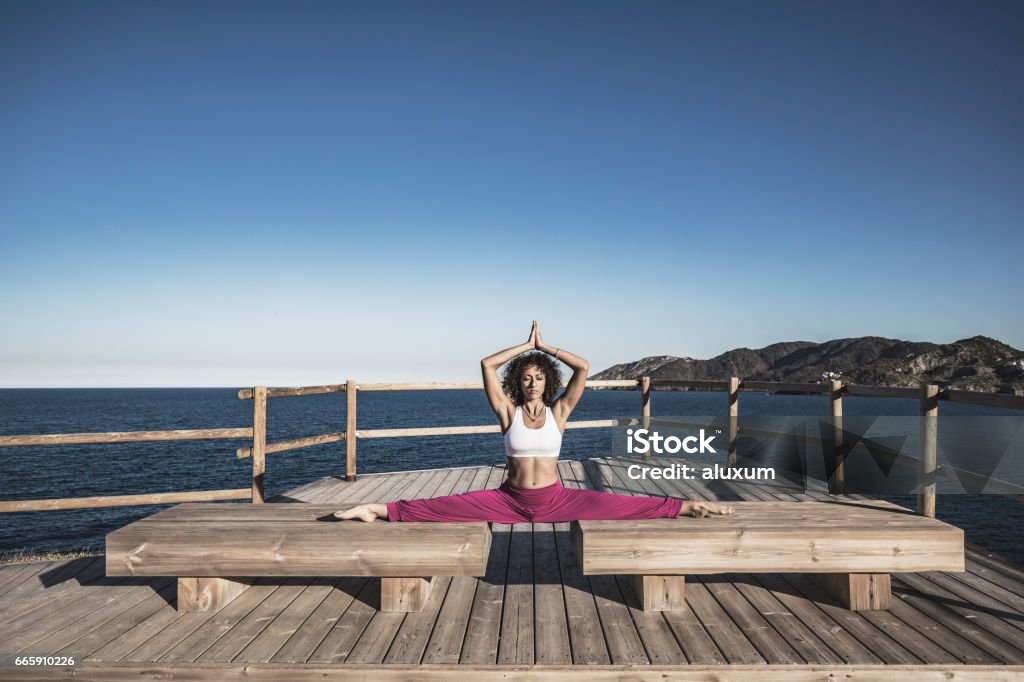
58 471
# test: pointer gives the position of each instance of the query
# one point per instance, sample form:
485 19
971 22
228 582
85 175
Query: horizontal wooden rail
597 383
882 391
600 423
462 430
776 386
438 386
1001 400
124 500
247 393
362 434
697 384
426 431
123 437
294 444
441 386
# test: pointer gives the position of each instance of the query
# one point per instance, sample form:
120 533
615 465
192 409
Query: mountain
975 364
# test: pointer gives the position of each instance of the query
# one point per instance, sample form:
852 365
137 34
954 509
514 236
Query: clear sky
231 194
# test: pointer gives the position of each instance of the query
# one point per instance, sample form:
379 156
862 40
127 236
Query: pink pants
551 504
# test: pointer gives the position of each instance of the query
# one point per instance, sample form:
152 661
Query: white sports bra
521 441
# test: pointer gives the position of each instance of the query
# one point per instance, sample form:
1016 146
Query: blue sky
233 194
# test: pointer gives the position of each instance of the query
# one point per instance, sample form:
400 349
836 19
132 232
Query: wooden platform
534 615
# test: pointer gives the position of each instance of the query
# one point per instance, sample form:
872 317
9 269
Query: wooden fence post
259 441
350 430
645 407
835 397
929 449
734 411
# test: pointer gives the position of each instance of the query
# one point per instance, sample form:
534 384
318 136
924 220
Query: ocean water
133 468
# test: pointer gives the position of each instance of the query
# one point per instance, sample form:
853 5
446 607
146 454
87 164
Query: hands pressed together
535 341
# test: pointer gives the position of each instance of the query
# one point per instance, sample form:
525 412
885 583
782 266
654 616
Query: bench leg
659 592
209 594
857 591
404 595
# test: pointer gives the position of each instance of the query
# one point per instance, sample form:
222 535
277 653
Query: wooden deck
533 615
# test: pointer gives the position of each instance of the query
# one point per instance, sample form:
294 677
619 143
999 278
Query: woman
533 420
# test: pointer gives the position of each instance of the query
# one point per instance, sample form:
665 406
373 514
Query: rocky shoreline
975 364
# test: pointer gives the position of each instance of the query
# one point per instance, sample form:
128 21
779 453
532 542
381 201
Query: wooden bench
216 550
850 547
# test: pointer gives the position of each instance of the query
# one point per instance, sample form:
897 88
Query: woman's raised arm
566 402
492 384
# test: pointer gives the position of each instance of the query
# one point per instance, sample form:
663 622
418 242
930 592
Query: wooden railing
128 500
929 396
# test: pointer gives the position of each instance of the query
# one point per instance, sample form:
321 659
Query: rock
979 362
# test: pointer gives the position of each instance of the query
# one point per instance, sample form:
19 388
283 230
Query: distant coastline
975 364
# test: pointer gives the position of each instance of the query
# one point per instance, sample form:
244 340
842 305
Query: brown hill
976 364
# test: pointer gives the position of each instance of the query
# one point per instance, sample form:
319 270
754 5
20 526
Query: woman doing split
533 420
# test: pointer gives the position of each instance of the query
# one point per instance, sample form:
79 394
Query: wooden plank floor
534 608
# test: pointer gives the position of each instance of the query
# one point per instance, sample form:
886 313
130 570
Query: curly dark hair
510 380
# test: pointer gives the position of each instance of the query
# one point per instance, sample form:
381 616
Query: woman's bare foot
364 512
701 508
